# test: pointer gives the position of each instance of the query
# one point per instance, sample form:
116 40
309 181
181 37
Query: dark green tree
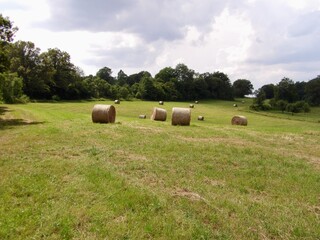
122 78
286 90
166 74
268 90
300 89
105 74
61 75
25 61
312 91
148 89
7 31
242 87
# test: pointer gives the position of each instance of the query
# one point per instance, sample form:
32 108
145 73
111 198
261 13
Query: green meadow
64 177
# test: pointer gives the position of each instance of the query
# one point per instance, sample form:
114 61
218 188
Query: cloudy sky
259 40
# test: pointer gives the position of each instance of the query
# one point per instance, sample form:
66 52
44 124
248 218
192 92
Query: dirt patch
215 183
188 194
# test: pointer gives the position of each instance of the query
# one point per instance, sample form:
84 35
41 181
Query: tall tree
312 91
268 90
25 61
122 78
166 74
105 74
7 31
242 87
10 83
286 90
61 74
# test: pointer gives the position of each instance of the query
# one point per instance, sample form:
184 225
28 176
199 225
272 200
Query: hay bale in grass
191 106
117 101
103 113
196 102
239 120
181 116
159 114
235 105
142 116
201 118
160 102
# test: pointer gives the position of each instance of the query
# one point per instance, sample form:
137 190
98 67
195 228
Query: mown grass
63 177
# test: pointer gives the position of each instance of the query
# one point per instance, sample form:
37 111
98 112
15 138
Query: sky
259 40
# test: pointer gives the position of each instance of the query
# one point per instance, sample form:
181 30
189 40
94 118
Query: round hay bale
142 116
181 116
191 106
196 102
201 118
103 113
159 114
160 102
239 120
117 101
235 105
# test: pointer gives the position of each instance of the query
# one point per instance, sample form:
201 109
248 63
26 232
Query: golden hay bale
235 105
160 102
239 120
159 114
142 116
103 113
196 102
191 106
201 118
181 116
117 101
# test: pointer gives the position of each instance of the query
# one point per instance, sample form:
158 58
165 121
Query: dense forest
27 73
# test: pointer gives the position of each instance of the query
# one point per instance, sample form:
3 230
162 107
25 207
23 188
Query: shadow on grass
3 110
9 123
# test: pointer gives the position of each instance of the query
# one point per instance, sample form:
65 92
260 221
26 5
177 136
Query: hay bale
159 114
239 120
196 102
181 116
160 102
191 106
142 116
235 105
117 101
103 113
201 118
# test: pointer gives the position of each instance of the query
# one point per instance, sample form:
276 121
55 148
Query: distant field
63 177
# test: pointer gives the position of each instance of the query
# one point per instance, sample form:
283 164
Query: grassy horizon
63 177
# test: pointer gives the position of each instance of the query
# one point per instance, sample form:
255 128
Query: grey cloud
150 19
285 36
125 57
306 24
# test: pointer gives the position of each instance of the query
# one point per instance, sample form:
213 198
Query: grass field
63 177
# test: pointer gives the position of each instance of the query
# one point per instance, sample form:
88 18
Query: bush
56 98
266 106
281 105
10 87
300 106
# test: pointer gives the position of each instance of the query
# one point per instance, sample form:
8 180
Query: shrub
10 87
281 105
56 98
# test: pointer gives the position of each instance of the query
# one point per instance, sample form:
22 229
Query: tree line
26 72
288 96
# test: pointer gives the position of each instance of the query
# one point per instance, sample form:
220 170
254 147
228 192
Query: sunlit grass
63 177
